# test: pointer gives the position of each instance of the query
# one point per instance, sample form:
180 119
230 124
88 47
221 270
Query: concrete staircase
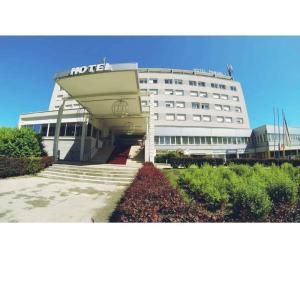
103 174
136 156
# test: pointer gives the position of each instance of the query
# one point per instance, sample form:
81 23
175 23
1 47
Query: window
203 140
153 91
180 104
235 98
168 81
220 140
191 140
233 88
156 140
178 140
193 93
153 80
69 106
51 129
226 107
143 80
181 117
56 107
178 81
215 140
197 118
59 96
89 130
220 119
238 109
78 129
169 92
240 120
206 118
70 129
170 117
228 120
179 93
214 85
203 94
185 140
205 106
44 129
62 131
155 103
222 86
201 83
143 90
173 140
76 105
195 105
155 116
167 140
216 96
197 140
170 104
192 83
218 107
224 97
161 140
144 103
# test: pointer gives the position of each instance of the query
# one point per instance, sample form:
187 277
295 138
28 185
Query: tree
20 142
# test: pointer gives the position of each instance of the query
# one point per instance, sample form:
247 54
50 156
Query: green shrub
20 142
165 157
250 201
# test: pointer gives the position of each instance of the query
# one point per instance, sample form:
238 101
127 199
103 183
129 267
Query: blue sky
267 67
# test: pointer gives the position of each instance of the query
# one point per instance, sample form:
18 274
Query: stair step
117 179
71 178
108 170
90 173
83 171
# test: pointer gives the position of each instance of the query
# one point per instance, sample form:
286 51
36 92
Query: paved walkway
35 199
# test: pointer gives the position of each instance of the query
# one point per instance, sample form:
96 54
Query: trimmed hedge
151 198
266 162
248 193
185 162
16 166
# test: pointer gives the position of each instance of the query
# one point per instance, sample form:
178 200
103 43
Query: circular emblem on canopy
120 108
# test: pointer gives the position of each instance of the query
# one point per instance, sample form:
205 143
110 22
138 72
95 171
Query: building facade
92 108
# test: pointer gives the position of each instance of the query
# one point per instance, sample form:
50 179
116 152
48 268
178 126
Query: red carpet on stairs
119 155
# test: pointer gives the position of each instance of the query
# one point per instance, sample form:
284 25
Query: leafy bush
151 198
20 142
16 166
246 193
177 162
165 157
266 162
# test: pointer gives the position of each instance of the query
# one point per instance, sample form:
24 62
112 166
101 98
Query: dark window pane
78 129
62 129
70 129
89 130
44 129
52 130
95 132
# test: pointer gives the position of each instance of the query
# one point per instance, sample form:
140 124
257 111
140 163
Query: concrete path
36 199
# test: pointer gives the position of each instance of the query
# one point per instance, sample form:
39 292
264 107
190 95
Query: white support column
57 131
82 140
150 132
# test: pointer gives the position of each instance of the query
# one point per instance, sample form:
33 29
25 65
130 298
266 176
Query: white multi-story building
95 107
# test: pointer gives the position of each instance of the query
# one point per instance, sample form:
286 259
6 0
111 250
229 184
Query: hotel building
95 108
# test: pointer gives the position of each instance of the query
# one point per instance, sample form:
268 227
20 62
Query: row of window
170 92
195 105
68 106
270 137
199 140
190 82
199 118
66 129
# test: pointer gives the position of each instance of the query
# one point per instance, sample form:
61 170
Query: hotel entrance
111 106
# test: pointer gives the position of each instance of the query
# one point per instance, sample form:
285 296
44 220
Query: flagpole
278 133
274 136
283 135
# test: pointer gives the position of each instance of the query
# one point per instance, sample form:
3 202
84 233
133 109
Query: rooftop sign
89 69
